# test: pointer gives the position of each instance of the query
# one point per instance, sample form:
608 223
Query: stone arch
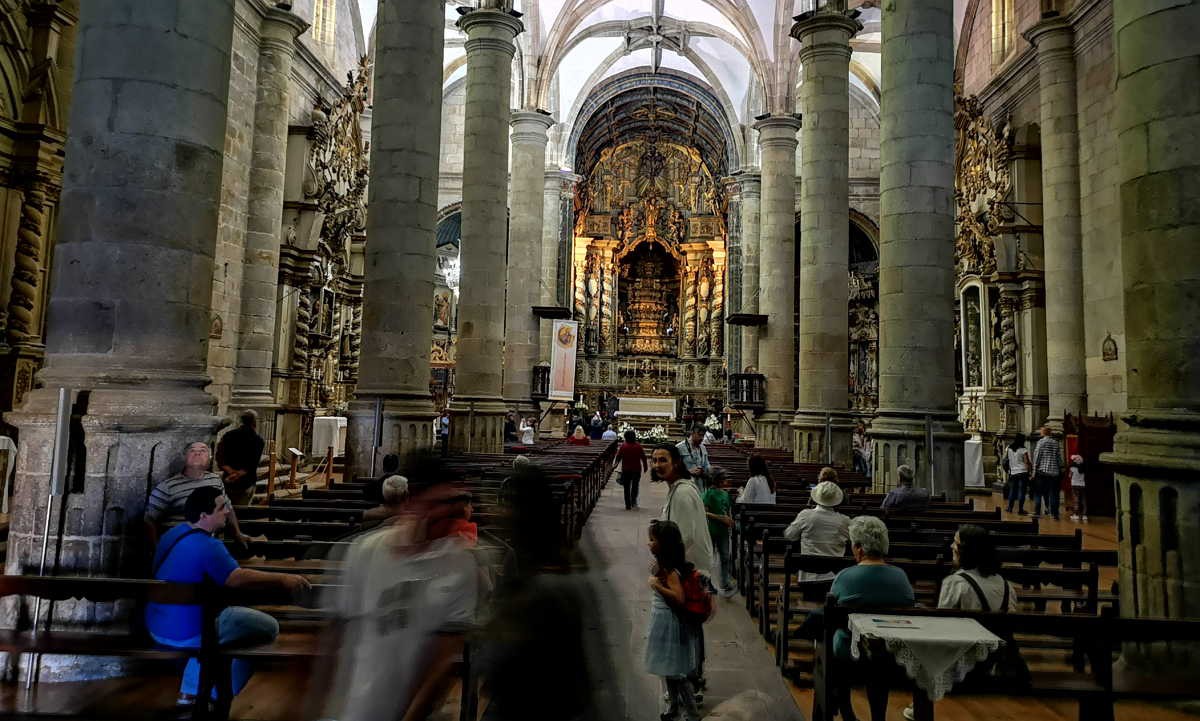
667 80
14 61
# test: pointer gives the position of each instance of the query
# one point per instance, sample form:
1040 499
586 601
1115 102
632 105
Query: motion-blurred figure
409 597
535 665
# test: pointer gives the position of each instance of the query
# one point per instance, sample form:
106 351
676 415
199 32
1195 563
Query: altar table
646 407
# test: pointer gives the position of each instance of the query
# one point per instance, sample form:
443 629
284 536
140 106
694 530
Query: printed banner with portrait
562 360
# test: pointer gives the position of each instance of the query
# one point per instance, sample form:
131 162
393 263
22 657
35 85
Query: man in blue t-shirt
189 553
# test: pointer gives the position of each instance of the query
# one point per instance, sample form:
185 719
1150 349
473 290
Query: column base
899 438
477 425
524 407
407 428
774 429
126 439
1156 459
808 432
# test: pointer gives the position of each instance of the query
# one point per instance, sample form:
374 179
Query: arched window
324 14
1004 30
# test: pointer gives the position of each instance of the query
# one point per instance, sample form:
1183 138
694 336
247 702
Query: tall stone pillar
527 203
751 208
264 219
1157 455
917 415
776 297
400 256
477 422
554 186
1061 228
824 340
731 346
129 309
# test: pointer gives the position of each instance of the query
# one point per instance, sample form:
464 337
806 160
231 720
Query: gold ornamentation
22 304
983 181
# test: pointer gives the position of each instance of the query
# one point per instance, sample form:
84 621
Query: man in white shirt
695 456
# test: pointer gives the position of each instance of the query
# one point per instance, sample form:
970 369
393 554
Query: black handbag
1005 665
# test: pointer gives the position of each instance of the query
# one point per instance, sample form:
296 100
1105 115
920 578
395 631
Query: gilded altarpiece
1000 314
36 52
321 264
649 267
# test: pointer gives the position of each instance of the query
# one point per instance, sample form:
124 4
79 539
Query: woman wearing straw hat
822 530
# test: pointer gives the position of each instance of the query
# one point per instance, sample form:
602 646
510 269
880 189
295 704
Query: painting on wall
441 309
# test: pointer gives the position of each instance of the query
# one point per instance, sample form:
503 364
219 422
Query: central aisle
739 663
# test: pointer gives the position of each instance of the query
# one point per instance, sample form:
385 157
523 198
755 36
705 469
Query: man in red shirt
633 462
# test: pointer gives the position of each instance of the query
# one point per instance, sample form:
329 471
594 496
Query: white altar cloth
648 407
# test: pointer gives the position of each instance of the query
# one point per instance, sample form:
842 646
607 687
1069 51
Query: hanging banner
562 360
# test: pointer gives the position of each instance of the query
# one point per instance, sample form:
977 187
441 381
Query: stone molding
531 127
779 131
499 28
818 35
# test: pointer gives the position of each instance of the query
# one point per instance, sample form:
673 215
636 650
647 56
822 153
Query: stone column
731 293
751 205
477 422
527 203
776 297
1157 455
824 340
400 256
1062 236
264 219
556 185
916 253
130 297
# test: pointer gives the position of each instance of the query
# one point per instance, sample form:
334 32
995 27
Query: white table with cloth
935 652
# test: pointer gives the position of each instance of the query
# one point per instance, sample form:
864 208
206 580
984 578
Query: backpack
697 600
1005 664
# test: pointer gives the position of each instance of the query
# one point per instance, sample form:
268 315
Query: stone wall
864 154
231 219
1103 297
454 118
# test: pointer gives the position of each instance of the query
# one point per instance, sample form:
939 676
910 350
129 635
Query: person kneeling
189 553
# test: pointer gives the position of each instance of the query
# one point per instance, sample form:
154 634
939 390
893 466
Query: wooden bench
1090 684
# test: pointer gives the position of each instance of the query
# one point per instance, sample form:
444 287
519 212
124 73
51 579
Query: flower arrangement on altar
654 436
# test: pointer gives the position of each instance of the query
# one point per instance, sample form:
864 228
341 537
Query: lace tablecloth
936 653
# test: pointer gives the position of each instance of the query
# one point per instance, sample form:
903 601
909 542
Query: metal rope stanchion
58 474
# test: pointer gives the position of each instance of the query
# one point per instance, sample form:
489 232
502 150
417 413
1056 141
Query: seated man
904 498
167 500
189 553
395 491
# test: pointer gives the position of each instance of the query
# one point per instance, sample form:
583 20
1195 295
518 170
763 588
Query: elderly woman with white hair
871 583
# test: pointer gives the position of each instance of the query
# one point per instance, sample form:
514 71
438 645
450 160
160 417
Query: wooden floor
739 658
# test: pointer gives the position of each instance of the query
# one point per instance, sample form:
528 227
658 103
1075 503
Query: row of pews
1068 630
307 535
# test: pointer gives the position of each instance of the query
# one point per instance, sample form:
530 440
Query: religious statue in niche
983 183
973 352
1108 348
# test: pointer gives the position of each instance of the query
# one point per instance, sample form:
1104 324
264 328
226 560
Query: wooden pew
1091 685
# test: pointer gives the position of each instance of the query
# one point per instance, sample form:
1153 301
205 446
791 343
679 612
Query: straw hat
826 493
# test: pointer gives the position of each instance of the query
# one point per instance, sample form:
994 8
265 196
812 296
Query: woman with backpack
978 586
672 649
